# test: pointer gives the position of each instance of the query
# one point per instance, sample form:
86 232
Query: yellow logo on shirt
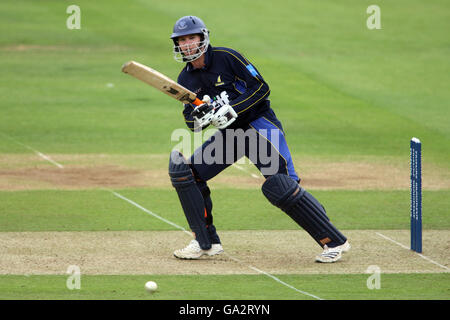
219 81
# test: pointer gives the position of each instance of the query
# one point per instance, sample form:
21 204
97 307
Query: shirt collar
208 59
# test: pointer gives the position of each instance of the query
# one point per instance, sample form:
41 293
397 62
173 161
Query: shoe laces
193 245
327 250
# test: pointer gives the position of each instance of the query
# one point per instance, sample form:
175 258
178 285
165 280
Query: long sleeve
188 108
256 88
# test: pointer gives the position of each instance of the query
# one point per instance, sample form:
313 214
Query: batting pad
285 193
191 198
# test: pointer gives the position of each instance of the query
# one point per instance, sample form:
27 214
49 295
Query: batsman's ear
176 48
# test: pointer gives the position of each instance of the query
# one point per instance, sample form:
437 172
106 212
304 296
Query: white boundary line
231 257
40 154
419 254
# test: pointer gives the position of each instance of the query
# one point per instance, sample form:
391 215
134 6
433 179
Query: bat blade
160 82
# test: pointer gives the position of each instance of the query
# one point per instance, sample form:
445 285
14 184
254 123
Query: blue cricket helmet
185 26
188 25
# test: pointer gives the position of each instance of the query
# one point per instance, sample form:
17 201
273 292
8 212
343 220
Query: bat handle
198 102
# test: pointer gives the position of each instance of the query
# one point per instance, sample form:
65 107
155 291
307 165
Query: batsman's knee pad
190 196
286 194
282 191
179 171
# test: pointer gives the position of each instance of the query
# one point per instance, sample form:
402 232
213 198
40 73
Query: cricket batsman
236 102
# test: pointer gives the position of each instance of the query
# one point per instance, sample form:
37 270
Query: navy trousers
262 141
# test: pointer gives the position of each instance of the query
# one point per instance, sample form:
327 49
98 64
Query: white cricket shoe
193 251
330 255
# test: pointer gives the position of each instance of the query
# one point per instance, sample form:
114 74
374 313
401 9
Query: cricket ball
151 286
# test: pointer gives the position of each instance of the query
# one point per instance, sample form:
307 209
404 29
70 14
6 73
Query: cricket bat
160 82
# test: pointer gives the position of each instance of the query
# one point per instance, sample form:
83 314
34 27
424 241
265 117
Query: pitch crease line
273 277
231 257
149 212
40 154
419 254
245 170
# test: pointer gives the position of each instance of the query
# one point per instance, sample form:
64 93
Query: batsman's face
189 44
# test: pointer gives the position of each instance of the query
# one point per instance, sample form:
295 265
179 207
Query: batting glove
224 117
204 113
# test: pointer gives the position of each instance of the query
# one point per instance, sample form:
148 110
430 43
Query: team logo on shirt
219 82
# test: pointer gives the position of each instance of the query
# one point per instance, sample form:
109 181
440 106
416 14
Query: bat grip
198 102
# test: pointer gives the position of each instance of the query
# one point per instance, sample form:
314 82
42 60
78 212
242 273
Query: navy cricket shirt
228 78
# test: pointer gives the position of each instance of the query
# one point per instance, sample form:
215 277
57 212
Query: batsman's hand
204 113
224 117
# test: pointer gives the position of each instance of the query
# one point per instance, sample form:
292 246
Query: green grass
339 88
341 91
232 287
100 210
